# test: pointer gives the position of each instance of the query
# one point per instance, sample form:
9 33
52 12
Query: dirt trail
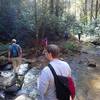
87 78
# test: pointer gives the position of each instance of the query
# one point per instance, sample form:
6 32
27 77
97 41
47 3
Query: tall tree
91 13
96 9
57 7
51 6
69 5
85 11
35 6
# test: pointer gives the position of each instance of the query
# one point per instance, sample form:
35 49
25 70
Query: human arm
43 84
71 98
20 52
20 49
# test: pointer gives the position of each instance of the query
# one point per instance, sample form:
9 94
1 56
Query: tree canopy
36 19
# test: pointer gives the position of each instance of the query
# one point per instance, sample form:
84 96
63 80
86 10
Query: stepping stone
91 63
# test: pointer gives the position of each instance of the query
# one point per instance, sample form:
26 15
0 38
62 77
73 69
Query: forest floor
87 78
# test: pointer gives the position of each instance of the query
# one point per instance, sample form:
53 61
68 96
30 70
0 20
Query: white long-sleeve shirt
46 85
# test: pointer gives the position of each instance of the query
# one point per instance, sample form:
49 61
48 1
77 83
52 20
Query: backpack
15 51
64 86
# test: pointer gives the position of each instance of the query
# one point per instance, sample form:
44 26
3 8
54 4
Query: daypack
64 86
14 51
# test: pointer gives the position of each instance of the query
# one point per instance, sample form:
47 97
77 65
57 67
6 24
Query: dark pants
66 37
79 37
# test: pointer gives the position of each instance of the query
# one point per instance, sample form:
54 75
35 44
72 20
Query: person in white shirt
46 85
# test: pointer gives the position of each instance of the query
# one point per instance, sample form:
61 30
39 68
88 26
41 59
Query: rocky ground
88 84
85 65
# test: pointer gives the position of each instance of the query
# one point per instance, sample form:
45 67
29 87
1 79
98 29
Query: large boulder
91 63
96 42
23 97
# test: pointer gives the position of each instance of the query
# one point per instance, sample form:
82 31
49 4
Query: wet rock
84 52
23 69
7 78
80 62
91 63
29 86
2 95
96 42
23 97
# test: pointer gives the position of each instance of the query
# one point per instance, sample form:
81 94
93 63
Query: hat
13 40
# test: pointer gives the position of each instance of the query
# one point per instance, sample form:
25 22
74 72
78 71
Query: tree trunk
75 8
96 9
35 7
85 12
91 14
69 6
57 8
99 7
51 6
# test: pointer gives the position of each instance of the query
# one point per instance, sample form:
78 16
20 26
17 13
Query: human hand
71 98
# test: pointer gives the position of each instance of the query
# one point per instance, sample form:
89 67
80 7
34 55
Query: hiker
46 84
65 35
14 55
79 33
79 36
45 42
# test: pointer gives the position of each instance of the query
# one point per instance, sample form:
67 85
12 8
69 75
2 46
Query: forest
36 19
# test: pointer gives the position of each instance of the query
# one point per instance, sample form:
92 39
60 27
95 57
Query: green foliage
93 28
50 23
69 20
77 28
70 46
20 17
4 47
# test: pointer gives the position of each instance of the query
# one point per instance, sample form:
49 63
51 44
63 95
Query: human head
53 51
13 40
